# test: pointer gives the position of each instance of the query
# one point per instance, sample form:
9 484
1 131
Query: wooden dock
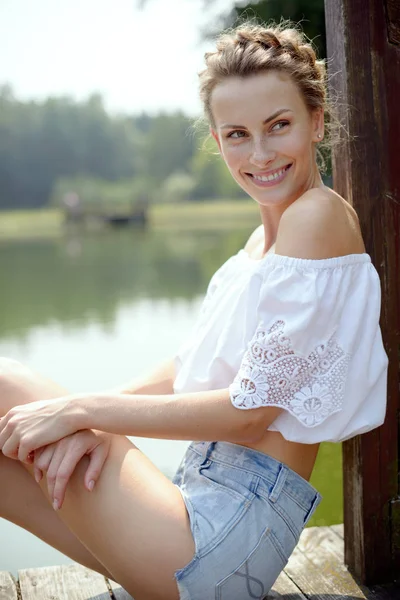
315 571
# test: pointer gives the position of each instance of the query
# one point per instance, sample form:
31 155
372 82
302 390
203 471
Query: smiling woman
286 353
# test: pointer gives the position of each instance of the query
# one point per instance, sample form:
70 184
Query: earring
319 136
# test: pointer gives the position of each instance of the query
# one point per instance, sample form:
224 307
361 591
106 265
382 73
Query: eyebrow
271 118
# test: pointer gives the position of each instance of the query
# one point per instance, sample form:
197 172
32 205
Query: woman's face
266 136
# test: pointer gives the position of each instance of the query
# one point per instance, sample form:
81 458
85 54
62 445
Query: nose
262 154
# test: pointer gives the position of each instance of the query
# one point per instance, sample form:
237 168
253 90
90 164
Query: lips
269 178
272 173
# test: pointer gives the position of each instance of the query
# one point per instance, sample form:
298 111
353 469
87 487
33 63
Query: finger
97 459
3 423
66 468
54 466
38 474
10 447
5 435
43 457
25 447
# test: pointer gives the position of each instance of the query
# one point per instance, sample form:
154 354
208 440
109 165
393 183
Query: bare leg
135 522
21 500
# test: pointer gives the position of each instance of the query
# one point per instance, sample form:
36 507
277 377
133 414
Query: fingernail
55 504
91 485
38 476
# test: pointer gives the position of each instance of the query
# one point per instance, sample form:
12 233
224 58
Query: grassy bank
217 214
30 223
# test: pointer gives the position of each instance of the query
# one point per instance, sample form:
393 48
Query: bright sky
137 59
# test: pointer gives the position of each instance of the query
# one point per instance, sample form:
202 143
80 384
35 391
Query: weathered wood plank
67 582
325 581
338 529
322 539
284 586
325 550
8 590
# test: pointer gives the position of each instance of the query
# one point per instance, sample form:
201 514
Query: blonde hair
251 48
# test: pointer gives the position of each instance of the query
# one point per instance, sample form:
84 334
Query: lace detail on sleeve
272 374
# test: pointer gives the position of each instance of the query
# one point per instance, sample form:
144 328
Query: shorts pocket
255 576
227 478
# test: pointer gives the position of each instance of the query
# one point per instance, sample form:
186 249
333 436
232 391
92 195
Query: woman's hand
31 426
59 460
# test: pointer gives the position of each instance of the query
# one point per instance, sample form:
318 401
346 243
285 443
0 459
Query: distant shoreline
195 216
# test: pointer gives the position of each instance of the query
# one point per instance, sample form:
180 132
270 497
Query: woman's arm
158 381
207 415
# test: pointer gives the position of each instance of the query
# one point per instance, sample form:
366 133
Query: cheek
235 156
299 144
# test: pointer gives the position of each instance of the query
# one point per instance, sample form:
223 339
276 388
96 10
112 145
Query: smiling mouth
274 177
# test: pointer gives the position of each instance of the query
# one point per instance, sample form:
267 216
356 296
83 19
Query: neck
271 216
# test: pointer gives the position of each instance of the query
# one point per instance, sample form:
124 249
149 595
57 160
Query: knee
13 390
8 364
8 369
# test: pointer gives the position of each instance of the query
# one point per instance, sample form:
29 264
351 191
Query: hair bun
268 39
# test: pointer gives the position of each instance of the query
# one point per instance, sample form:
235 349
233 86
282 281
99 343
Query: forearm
206 415
159 381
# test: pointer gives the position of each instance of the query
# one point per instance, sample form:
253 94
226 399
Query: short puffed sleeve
317 349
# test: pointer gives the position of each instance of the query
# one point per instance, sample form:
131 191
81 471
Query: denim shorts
247 511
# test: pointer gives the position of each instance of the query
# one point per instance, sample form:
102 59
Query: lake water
95 311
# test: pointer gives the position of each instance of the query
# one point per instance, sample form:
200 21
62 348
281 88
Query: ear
216 138
318 125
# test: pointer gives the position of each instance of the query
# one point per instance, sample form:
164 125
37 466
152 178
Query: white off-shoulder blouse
299 334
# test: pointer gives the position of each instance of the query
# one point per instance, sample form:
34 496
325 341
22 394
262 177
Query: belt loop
210 448
206 449
279 483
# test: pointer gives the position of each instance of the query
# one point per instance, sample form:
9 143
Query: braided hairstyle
250 49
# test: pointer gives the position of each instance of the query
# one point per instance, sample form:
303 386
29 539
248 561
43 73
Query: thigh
134 522
22 502
20 385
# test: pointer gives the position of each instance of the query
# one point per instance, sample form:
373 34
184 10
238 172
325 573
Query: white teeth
269 177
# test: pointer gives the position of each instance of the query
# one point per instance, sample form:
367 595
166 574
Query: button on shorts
247 511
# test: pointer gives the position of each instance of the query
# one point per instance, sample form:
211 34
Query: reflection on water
81 280
96 311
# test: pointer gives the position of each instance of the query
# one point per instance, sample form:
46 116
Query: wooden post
363 42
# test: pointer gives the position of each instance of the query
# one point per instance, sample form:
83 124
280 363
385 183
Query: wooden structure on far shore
315 570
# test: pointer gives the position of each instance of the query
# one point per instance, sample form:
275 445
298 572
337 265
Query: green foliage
41 142
167 146
178 187
211 174
59 147
310 13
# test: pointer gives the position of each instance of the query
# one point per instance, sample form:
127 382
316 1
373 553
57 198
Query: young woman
286 353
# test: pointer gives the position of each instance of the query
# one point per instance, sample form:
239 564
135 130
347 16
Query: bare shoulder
320 224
